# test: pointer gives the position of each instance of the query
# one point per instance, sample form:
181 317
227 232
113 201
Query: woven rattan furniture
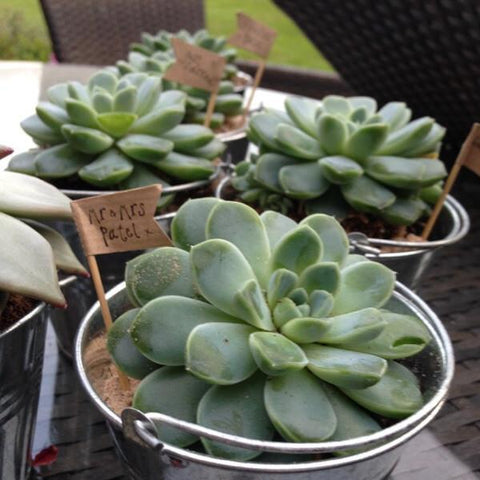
422 52
99 32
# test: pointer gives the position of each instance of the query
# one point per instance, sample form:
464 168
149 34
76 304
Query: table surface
449 449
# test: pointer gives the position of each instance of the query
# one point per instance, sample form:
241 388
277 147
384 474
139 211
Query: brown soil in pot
17 307
103 376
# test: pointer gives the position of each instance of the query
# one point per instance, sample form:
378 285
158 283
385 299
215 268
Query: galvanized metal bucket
21 362
81 294
147 458
247 80
411 259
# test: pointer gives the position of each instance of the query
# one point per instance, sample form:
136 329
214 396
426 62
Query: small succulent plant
117 133
254 324
159 47
155 54
31 252
343 153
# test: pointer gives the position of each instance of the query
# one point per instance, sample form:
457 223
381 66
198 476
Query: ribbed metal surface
21 362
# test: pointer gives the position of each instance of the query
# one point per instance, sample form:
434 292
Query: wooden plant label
253 36
469 157
195 66
119 222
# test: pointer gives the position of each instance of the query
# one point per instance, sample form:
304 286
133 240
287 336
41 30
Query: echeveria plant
343 153
117 133
159 47
253 325
31 252
155 54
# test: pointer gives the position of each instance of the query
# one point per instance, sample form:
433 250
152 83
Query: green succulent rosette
341 154
258 326
159 47
155 54
117 133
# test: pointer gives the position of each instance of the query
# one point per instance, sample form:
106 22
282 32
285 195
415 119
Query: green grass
24 36
291 46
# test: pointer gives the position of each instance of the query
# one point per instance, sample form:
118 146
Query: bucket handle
140 428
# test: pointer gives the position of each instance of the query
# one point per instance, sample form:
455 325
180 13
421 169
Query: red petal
46 456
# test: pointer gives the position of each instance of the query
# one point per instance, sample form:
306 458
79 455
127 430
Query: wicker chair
423 52
99 32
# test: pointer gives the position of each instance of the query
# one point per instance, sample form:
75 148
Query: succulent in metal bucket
31 252
343 153
117 133
155 54
159 47
258 326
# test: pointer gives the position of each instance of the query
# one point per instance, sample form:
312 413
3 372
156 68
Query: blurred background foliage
24 36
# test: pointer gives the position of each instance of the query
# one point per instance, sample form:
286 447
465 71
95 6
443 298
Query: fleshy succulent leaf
236 409
403 336
218 353
59 161
240 225
185 391
343 368
164 271
297 250
188 225
321 276
332 235
358 326
108 169
162 326
122 349
339 169
303 181
299 407
396 395
363 285
297 143
35 276
305 330
235 291
275 354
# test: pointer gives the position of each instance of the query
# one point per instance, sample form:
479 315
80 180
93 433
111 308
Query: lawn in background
24 36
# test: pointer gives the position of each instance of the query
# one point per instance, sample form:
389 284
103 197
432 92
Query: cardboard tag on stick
195 66
469 157
253 36
119 222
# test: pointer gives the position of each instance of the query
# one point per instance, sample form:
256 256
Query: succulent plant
117 133
254 324
343 153
155 54
31 252
159 47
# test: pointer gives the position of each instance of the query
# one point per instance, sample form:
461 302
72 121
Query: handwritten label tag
195 66
119 222
253 36
471 156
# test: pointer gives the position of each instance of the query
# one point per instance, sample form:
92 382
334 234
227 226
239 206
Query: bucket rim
382 441
37 310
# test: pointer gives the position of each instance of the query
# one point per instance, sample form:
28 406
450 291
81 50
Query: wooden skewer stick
465 151
210 107
107 317
258 77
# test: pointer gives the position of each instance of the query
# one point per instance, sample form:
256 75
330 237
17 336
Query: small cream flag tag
119 222
253 36
470 153
195 66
